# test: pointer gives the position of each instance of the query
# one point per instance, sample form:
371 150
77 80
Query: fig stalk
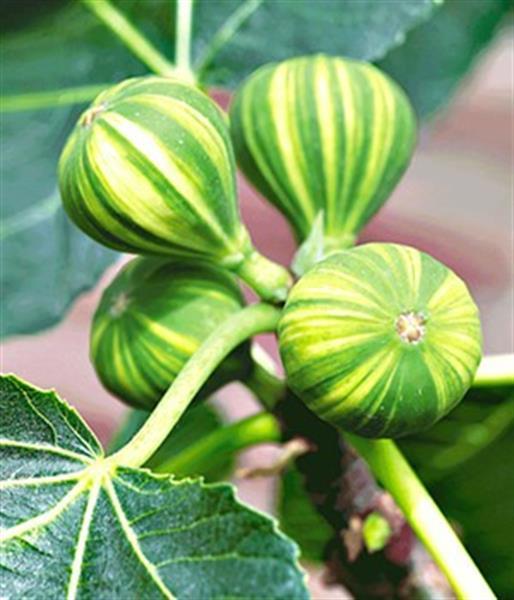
250 321
268 279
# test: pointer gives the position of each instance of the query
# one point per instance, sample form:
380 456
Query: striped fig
149 169
323 135
153 317
381 340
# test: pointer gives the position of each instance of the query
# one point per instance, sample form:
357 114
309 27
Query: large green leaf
479 498
439 53
275 30
74 525
45 261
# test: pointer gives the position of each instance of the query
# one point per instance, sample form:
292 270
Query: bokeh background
456 202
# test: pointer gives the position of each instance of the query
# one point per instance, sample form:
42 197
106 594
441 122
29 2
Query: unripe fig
381 340
149 169
323 134
153 317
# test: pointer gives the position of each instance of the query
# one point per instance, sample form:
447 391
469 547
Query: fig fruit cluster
381 339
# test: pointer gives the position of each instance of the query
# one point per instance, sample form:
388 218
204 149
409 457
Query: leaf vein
220 557
187 527
37 412
78 559
42 448
134 542
47 480
46 517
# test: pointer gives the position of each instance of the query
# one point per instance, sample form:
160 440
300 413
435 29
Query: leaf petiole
250 321
131 37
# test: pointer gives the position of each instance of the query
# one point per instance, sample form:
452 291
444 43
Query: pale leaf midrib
133 541
78 559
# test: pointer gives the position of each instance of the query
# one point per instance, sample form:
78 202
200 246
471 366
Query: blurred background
456 202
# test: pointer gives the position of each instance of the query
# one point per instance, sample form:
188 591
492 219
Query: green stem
392 470
226 32
268 279
197 458
130 36
263 381
183 35
495 370
254 319
51 98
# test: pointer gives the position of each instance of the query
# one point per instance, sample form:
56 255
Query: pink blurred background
456 202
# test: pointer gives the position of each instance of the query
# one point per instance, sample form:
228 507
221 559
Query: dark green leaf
439 53
479 498
275 30
74 524
197 423
481 418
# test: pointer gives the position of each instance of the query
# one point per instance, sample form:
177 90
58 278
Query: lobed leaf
46 262
74 524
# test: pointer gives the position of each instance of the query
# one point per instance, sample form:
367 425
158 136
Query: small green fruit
149 169
381 340
323 134
152 318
